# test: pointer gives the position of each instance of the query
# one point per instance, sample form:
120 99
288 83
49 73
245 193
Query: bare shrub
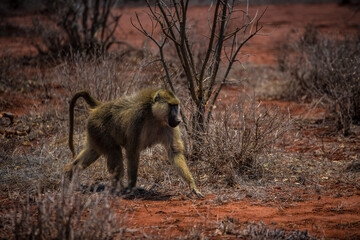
224 40
239 142
326 69
67 215
79 26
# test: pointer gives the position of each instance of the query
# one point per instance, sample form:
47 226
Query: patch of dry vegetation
239 143
66 214
326 69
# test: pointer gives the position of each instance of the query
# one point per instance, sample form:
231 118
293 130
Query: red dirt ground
337 218
324 215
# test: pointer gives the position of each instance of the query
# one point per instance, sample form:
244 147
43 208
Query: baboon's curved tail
93 103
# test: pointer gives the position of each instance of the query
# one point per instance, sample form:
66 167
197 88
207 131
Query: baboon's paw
198 193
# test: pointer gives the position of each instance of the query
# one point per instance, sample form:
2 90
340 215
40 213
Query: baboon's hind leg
116 167
85 158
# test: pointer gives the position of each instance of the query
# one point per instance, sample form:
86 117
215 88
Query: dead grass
66 214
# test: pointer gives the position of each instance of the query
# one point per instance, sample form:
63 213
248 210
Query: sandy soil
324 215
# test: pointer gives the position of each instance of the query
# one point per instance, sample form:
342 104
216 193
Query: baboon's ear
157 97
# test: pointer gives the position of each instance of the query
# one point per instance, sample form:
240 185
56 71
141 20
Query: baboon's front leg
175 149
179 162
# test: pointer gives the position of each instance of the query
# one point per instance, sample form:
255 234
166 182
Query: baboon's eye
174 107
157 97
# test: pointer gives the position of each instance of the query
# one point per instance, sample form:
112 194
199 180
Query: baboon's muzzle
174 122
174 119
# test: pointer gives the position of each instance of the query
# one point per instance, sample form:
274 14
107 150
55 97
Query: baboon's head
166 107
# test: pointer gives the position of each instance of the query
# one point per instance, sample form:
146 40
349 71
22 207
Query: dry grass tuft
66 215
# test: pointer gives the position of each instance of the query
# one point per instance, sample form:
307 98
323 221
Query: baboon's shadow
138 193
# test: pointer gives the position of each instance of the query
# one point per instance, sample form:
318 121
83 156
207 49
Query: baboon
133 122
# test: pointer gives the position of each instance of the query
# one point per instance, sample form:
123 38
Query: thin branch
157 17
218 53
143 30
232 61
184 39
182 55
85 19
211 41
111 34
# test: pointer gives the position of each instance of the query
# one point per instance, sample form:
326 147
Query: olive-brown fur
134 123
